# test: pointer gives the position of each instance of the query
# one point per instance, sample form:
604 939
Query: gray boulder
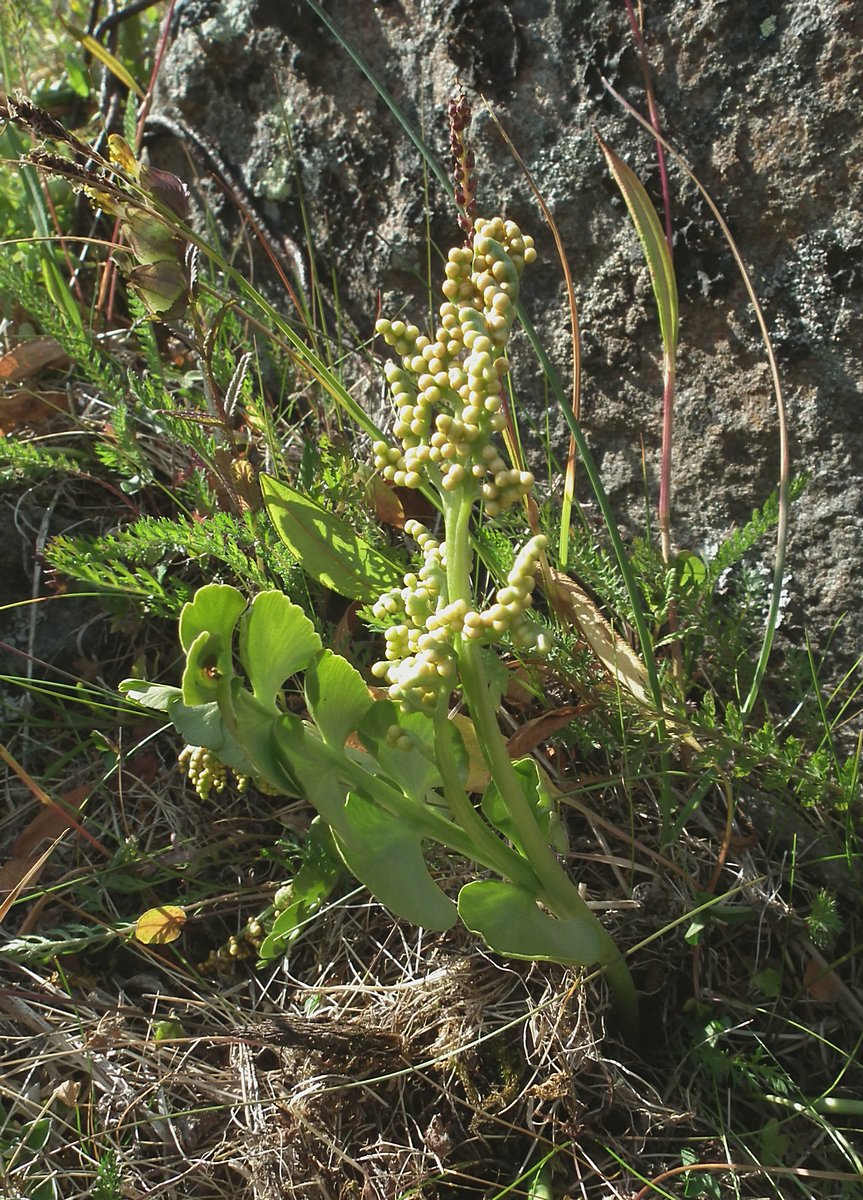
764 102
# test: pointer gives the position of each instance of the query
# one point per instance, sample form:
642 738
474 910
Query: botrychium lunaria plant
390 775
449 408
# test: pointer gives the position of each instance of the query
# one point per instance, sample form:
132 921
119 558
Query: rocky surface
764 101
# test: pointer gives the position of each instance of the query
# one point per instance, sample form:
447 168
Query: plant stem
497 854
432 824
665 508
555 882
556 888
665 464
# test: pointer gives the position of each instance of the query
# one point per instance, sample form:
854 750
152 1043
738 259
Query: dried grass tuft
382 1062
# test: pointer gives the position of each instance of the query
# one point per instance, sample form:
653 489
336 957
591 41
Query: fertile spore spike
463 165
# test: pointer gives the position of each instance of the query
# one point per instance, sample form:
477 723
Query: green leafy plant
406 785
20 1150
824 921
296 904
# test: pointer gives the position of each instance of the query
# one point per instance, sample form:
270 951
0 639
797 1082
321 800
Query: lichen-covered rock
763 101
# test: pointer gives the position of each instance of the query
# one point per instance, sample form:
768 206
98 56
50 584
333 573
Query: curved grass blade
435 167
105 57
653 242
657 251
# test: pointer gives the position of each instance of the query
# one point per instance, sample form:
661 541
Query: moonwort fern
390 775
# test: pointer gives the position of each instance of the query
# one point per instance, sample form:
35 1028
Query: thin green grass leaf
104 56
655 247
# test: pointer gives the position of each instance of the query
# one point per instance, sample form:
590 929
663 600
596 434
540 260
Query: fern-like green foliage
176 416
120 451
85 350
135 562
824 921
34 460
594 569
742 540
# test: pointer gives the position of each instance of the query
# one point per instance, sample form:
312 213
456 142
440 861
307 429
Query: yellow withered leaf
615 654
158 926
477 771
121 154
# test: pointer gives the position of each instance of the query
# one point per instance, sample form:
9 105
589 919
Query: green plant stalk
558 891
840 1105
499 857
665 463
489 852
664 514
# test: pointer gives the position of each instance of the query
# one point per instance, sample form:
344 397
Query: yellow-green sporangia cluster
420 661
449 406
206 772
448 391
420 654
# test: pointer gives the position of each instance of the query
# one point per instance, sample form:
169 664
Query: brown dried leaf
520 694
50 821
67 1092
534 733
30 408
349 623
245 480
13 871
477 771
389 510
162 288
823 986
615 654
417 507
16 875
27 358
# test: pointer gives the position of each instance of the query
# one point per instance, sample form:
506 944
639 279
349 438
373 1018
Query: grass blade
105 57
655 246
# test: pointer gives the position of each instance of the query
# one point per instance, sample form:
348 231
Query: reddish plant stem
653 112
